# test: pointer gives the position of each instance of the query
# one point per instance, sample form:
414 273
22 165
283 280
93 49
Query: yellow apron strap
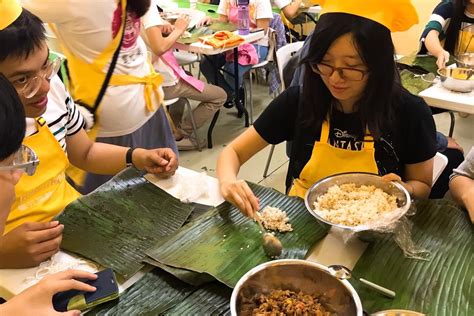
324 132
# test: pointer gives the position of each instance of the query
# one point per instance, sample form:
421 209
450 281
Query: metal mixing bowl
457 79
465 60
296 275
359 178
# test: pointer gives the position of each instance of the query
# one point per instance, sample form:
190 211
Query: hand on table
30 244
443 58
38 298
207 20
241 196
162 162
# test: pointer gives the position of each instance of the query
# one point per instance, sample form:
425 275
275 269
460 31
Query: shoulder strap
110 71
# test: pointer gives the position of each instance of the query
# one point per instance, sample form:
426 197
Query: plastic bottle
243 17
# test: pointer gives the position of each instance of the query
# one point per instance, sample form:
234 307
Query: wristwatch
128 157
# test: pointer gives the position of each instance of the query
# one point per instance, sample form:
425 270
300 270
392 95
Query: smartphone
107 290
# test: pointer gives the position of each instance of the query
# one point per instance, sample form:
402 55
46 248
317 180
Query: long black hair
12 119
22 37
139 7
374 44
452 33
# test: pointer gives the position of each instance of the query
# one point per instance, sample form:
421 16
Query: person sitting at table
55 132
351 114
260 14
461 184
447 19
176 82
130 112
37 298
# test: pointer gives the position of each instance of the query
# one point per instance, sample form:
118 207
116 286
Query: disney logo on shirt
343 139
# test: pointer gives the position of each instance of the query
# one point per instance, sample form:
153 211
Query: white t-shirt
282 3
86 27
62 116
153 18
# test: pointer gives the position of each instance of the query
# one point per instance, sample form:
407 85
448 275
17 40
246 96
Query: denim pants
226 81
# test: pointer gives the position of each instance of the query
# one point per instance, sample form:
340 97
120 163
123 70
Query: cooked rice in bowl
351 205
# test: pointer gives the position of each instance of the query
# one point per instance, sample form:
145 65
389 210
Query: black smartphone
107 289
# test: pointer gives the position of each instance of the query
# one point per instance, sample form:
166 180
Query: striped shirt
439 21
62 116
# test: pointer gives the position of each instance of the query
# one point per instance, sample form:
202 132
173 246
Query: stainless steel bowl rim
286 262
351 228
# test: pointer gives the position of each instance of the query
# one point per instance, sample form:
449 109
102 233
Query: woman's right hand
443 58
182 23
241 196
205 21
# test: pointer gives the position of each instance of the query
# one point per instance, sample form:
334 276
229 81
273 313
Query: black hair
12 119
22 37
139 7
374 44
452 33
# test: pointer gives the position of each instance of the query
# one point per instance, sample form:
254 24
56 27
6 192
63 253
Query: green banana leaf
226 244
422 62
197 32
442 286
414 83
153 294
115 224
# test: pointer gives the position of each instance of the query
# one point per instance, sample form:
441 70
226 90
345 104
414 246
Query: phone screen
106 286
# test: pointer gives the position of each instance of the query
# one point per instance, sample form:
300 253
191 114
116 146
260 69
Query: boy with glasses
54 130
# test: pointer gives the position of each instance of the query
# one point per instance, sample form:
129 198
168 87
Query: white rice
275 219
350 205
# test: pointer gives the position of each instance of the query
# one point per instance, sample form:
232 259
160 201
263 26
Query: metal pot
335 294
465 60
457 79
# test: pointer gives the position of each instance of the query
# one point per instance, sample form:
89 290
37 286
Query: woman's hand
162 162
38 298
205 21
241 196
443 58
182 23
396 178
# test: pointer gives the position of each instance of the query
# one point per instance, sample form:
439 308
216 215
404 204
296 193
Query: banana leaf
153 294
197 32
414 83
226 244
442 286
115 224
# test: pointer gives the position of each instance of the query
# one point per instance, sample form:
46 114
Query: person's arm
434 47
263 24
462 190
159 44
37 299
291 9
102 158
229 162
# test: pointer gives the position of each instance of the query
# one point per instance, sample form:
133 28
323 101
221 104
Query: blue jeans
208 68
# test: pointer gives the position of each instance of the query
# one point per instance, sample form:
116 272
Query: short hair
12 119
22 37
374 44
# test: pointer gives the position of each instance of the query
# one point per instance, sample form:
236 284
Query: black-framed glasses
24 159
351 74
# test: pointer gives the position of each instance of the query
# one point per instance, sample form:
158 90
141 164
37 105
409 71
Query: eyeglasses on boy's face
345 73
24 159
28 86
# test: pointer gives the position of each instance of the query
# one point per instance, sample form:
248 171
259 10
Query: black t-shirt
412 139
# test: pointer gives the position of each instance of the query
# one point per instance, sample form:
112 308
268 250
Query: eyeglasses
30 86
350 74
24 159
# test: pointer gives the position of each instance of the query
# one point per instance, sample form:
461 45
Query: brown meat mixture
285 302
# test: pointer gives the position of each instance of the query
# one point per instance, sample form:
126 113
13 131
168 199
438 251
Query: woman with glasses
441 36
351 113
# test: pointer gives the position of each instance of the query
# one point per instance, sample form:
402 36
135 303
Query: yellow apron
87 79
327 160
41 197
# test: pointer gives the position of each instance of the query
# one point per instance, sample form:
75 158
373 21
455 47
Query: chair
186 58
283 55
170 102
439 163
